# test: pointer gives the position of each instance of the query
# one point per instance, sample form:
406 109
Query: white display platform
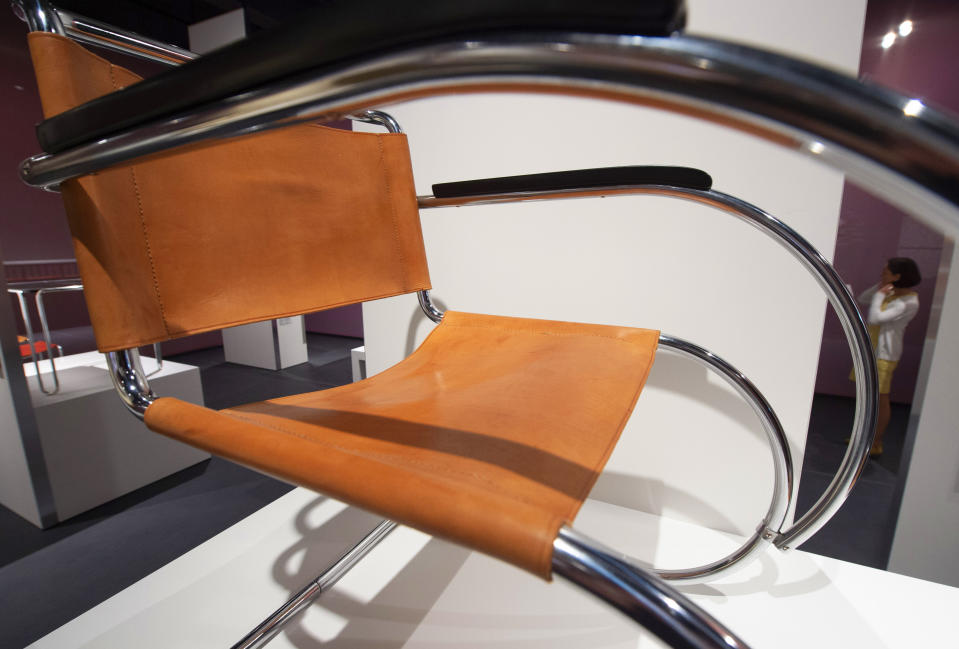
93 448
272 345
358 363
417 592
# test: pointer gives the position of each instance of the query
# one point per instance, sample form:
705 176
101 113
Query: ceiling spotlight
913 107
888 40
905 28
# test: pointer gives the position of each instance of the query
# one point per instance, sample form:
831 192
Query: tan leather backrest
240 230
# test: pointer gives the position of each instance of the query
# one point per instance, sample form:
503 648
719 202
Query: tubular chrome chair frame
38 290
790 103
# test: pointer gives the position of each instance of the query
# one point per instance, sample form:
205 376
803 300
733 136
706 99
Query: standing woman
891 306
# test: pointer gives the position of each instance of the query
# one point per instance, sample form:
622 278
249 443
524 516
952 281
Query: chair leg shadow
338 619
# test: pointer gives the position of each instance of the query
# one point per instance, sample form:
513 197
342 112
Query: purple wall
343 321
921 64
32 222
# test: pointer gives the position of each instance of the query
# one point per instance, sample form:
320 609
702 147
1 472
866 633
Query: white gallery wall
16 492
927 532
692 449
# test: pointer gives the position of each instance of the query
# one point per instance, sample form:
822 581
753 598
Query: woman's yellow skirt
885 369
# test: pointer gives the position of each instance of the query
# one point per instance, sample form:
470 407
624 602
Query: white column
926 543
272 345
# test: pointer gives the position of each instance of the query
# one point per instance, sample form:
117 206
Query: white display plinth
94 449
358 363
272 345
417 592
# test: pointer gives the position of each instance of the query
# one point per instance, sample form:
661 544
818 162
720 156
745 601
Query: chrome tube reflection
658 607
379 118
427 306
39 15
130 381
910 160
94 32
32 345
857 336
772 522
45 326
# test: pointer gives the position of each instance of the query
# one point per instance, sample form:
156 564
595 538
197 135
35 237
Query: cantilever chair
179 230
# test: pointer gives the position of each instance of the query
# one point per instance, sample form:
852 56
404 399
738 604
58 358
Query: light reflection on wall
911 49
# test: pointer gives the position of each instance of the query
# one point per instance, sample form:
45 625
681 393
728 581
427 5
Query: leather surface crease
178 244
491 434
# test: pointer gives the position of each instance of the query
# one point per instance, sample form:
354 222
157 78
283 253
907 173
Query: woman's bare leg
885 414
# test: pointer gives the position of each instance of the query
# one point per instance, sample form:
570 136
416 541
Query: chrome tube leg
129 381
45 330
652 603
39 15
910 159
426 304
28 329
158 358
271 626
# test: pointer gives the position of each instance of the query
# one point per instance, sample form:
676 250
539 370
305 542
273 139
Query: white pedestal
358 363
93 448
413 591
272 345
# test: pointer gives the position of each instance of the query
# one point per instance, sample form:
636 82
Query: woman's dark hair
906 269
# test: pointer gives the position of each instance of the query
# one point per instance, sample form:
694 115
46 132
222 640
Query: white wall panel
16 487
691 450
927 532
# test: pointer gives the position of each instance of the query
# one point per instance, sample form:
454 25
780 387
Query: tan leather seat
491 434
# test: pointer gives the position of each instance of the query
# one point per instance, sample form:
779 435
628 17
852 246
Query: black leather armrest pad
338 32
684 177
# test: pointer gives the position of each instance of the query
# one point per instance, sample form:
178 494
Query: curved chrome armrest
658 607
894 145
857 336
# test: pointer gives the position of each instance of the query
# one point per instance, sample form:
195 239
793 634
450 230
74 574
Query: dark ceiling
167 20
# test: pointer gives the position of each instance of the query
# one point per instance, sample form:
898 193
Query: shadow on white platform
417 592
94 450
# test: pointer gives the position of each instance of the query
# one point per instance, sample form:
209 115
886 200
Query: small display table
93 449
272 345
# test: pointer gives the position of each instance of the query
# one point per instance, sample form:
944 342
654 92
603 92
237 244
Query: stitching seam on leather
137 342
396 228
541 333
143 224
613 441
146 241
